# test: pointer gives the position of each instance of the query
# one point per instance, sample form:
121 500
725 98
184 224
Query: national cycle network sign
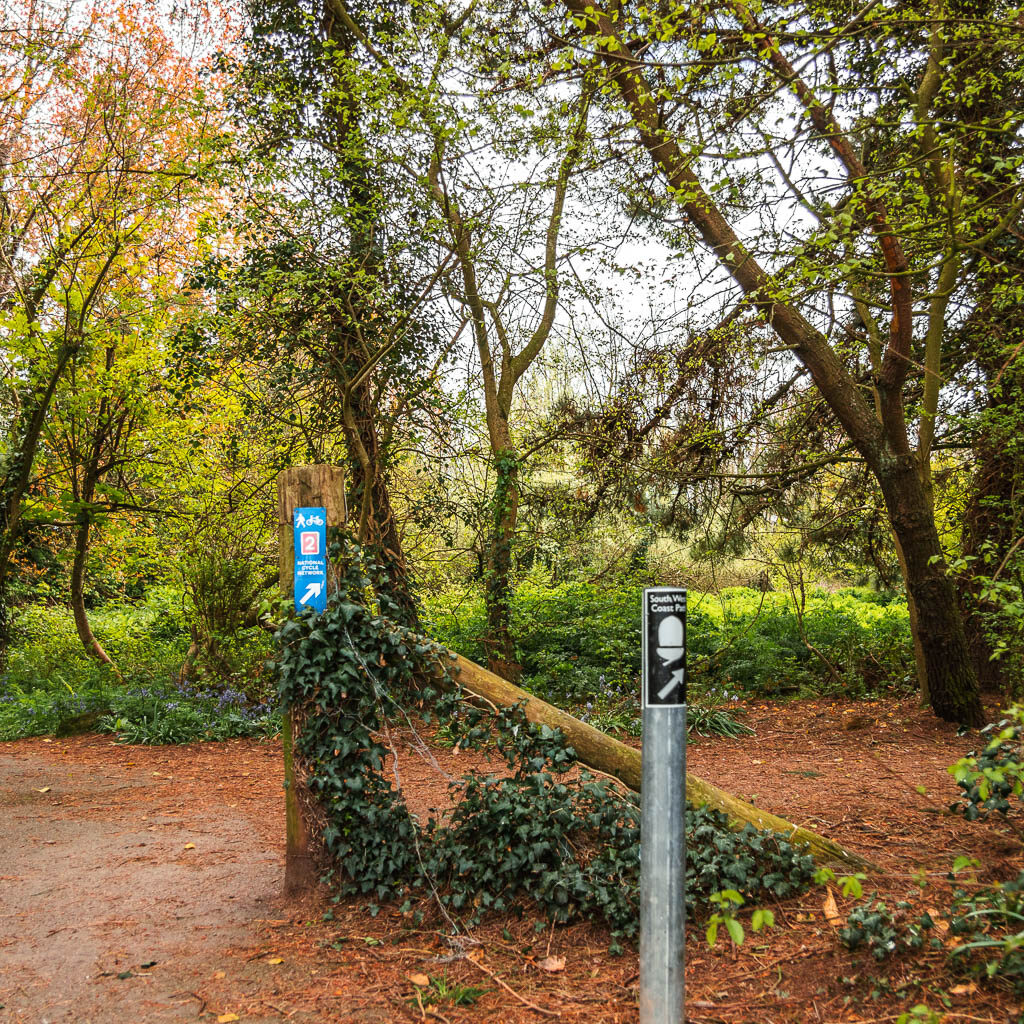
310 526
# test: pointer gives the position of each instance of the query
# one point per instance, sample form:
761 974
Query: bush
990 779
52 685
992 922
157 714
580 642
882 932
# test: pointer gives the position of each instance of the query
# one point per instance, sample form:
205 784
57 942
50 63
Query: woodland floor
143 884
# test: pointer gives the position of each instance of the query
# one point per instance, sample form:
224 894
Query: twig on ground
511 991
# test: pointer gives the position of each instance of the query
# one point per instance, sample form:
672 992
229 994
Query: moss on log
598 750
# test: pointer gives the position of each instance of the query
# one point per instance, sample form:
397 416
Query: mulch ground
143 884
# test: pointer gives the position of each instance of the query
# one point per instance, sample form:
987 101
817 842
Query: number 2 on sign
310 543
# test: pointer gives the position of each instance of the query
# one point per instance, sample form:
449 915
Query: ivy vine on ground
990 779
538 834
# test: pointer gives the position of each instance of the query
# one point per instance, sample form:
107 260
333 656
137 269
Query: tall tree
504 358
108 135
493 176
865 165
341 292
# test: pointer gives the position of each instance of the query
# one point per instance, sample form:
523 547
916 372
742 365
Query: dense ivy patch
566 842
991 778
872 926
987 924
990 921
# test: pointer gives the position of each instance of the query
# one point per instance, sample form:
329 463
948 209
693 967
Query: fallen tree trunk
598 750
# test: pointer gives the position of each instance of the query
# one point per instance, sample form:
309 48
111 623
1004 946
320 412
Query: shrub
992 921
225 569
580 642
882 932
990 779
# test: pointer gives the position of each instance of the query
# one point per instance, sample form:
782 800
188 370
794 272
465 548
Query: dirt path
115 858
121 887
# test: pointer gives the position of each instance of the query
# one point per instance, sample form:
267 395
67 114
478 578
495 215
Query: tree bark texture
377 524
952 685
501 648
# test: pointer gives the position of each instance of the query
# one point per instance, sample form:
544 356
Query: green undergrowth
147 640
985 923
525 836
151 713
579 644
992 779
52 687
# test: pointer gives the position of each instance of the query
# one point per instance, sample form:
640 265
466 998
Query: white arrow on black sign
672 684
664 647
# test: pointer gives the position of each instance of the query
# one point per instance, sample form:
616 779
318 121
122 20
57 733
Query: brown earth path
110 864
115 857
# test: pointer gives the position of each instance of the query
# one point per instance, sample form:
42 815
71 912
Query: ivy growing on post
540 833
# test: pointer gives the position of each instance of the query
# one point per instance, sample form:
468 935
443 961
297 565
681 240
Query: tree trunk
993 520
501 648
952 686
92 646
22 445
915 630
990 527
597 750
378 525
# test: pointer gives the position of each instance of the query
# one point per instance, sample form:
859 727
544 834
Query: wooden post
301 487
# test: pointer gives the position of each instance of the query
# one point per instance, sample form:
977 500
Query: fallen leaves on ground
832 914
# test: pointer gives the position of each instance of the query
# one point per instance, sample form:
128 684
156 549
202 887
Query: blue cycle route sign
310 525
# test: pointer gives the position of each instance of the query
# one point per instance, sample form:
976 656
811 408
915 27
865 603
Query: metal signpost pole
662 807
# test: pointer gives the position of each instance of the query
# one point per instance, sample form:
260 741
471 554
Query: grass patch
52 687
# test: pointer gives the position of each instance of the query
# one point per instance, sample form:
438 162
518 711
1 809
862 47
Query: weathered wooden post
301 487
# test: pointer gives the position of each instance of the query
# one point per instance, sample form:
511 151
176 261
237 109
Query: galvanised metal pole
662 808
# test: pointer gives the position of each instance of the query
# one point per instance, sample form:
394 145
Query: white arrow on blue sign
310 526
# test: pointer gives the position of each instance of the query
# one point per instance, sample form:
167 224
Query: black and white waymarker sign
664 647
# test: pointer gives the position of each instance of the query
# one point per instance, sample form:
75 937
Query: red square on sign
310 543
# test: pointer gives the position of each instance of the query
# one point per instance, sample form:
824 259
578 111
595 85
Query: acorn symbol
670 639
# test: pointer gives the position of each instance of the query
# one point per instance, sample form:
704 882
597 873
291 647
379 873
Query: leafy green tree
327 287
837 170
93 192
